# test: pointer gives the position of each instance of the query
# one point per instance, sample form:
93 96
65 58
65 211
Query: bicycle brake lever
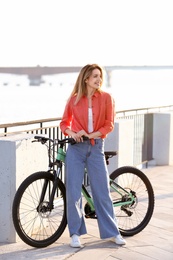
73 142
41 139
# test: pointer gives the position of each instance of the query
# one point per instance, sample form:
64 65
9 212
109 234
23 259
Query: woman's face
95 80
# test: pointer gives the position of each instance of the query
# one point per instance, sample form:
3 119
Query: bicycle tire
36 226
133 218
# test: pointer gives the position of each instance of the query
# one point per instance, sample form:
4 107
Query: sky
77 32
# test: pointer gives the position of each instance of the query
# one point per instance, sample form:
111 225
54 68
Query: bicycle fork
46 204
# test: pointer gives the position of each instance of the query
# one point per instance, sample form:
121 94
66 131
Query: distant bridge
35 73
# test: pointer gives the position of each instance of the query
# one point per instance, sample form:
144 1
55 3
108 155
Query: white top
90 120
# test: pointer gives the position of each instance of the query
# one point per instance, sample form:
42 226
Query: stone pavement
154 242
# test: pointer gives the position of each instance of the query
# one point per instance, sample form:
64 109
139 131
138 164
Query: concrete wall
121 140
19 158
163 138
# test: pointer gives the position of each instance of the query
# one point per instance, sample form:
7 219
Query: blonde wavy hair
80 89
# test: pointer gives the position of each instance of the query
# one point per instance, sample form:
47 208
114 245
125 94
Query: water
21 102
142 88
131 89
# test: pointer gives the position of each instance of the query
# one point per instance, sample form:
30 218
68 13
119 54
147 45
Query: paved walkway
154 242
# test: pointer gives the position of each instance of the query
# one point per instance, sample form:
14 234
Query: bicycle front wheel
134 217
36 223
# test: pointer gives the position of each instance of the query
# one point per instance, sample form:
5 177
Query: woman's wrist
69 132
94 135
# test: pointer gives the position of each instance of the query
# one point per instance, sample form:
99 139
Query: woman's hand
77 136
80 134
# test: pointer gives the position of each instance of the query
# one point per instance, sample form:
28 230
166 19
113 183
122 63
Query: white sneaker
75 242
119 240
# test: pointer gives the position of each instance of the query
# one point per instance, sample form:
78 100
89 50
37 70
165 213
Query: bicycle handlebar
44 139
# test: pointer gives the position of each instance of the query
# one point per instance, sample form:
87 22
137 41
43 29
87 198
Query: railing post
41 126
5 131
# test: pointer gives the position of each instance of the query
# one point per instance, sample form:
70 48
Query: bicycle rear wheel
34 221
134 217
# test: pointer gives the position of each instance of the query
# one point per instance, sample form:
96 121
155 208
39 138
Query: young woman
89 112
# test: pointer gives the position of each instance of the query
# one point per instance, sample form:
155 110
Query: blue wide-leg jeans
78 157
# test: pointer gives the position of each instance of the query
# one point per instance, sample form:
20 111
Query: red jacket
75 117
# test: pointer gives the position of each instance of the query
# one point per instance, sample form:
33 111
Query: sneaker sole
76 246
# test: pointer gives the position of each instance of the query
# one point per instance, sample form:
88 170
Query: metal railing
49 126
142 129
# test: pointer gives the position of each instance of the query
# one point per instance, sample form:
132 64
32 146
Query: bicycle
39 206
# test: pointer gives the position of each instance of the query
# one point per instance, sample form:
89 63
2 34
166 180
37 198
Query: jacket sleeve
66 118
109 116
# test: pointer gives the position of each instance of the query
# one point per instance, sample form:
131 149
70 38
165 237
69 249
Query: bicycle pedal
91 215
